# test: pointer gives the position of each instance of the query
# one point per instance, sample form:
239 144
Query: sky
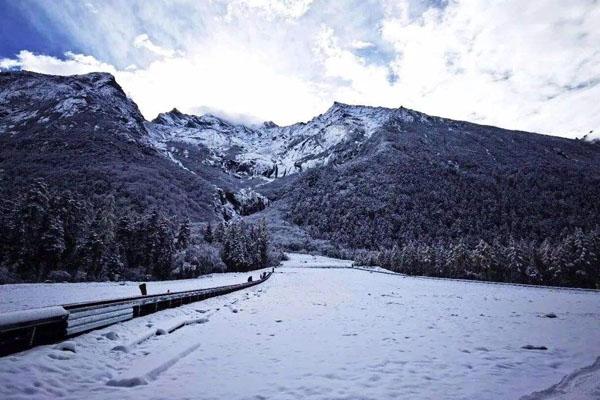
529 65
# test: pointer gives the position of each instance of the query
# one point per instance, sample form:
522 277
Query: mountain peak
340 104
270 124
81 99
177 118
171 117
337 105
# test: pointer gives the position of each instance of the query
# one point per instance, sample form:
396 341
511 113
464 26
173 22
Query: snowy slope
30 101
80 133
275 151
330 333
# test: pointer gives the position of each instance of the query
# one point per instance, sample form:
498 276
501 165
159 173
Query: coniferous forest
571 261
536 224
60 236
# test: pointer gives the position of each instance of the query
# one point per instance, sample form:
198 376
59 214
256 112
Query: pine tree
409 258
547 265
125 237
91 256
183 236
594 268
516 262
32 218
159 246
239 239
482 260
208 233
52 245
262 244
72 212
581 256
458 260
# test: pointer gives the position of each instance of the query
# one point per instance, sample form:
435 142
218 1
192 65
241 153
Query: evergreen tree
52 245
262 239
458 261
208 233
516 262
125 237
183 236
159 246
32 221
91 256
71 211
482 260
578 256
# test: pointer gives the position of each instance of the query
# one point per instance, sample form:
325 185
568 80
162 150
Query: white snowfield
33 295
318 330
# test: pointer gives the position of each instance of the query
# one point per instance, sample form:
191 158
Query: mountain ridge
415 193
221 158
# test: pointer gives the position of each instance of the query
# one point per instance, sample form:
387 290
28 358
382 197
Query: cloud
509 63
143 41
361 44
272 8
72 64
532 66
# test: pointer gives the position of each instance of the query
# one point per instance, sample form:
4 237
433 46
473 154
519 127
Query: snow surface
20 316
320 329
581 384
25 296
291 148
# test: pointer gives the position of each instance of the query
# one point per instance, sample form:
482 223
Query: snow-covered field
330 333
30 295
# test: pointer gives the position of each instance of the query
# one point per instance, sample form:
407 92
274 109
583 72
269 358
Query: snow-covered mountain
30 101
355 175
273 151
81 133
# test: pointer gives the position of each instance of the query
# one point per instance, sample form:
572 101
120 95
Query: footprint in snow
66 346
111 335
60 355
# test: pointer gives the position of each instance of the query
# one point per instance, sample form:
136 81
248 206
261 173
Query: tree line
572 260
409 210
61 236
243 246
